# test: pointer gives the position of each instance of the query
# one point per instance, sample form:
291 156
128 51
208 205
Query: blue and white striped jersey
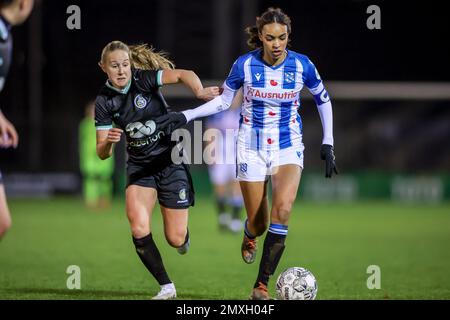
269 113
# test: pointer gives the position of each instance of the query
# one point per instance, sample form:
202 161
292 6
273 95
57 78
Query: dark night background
55 72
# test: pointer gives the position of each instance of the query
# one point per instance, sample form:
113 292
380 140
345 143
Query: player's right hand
114 135
208 93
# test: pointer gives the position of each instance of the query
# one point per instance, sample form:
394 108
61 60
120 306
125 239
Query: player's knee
282 211
5 225
176 238
139 229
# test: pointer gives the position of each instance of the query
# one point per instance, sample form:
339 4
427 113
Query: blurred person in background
132 100
12 13
97 174
222 171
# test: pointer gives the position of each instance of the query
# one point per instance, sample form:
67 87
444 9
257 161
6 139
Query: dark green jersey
133 109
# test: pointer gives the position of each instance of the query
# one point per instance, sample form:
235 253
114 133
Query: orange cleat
248 249
260 292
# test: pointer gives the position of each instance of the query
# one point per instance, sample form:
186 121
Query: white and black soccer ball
296 284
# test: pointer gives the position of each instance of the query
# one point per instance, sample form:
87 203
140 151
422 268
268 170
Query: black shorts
172 182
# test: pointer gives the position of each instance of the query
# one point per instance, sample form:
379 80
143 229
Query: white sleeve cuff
159 78
326 117
106 127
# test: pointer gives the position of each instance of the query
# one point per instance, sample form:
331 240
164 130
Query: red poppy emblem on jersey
273 82
269 141
293 120
271 113
246 119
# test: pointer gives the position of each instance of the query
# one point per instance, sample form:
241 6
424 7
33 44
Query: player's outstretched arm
174 120
105 141
216 105
192 81
209 108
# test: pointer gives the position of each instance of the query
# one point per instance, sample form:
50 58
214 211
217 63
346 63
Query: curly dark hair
272 15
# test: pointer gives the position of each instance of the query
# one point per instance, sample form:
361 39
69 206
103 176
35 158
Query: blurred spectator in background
97 174
222 171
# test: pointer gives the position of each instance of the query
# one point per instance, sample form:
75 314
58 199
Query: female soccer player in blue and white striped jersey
269 142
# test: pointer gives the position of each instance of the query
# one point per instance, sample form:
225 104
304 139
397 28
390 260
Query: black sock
272 252
221 203
151 258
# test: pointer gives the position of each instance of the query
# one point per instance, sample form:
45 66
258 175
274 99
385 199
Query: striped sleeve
314 83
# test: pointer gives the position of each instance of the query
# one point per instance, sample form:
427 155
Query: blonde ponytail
145 57
141 56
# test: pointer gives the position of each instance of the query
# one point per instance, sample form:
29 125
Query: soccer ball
296 284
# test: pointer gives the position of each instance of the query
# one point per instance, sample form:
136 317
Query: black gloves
169 122
327 154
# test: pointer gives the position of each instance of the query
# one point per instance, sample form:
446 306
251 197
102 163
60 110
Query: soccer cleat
167 292
260 292
248 249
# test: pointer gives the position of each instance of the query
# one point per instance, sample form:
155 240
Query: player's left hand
8 134
170 122
208 93
327 154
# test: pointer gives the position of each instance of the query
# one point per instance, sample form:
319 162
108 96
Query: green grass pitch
337 242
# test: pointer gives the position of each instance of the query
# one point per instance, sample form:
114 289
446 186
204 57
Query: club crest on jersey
289 77
140 102
257 76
